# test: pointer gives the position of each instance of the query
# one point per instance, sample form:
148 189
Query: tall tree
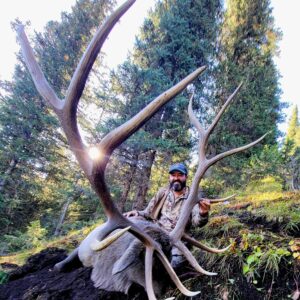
32 150
291 152
248 44
293 130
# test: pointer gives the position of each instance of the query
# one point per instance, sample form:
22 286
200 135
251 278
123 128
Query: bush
33 237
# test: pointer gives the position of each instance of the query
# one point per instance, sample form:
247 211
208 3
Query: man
164 208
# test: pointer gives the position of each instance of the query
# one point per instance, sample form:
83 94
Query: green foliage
267 184
291 153
264 262
15 242
262 225
256 259
248 45
33 237
293 128
3 277
35 233
252 262
35 166
269 162
69 241
221 225
270 260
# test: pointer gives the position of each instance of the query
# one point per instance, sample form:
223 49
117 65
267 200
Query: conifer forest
49 198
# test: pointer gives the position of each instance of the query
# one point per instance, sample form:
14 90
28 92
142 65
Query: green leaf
246 269
251 258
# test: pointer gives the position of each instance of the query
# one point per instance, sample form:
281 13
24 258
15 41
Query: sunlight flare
94 153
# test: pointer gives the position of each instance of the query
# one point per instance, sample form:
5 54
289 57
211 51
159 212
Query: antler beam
66 111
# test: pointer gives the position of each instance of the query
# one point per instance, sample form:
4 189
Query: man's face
177 181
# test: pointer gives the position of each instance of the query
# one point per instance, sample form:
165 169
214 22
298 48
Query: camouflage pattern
170 211
164 209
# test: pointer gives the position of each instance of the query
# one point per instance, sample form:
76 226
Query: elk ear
129 257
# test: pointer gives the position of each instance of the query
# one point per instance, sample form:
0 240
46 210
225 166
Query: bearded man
164 208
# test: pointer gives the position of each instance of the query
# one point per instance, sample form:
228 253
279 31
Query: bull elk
117 226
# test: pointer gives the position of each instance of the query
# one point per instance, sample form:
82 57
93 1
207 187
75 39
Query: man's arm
147 212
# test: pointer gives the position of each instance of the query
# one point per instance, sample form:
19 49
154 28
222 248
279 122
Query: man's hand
204 206
132 213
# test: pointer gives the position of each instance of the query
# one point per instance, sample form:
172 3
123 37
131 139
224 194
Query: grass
264 260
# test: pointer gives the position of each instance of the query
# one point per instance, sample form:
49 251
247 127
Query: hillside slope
263 226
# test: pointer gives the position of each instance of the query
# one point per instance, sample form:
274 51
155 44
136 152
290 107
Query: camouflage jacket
165 209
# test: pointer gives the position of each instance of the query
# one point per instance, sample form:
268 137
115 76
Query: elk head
66 111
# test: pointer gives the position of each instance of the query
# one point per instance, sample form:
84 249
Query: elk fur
121 264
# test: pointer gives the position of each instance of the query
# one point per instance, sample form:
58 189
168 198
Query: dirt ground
37 280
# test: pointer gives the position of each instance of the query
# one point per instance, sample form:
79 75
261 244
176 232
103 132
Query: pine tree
291 152
248 44
294 128
36 174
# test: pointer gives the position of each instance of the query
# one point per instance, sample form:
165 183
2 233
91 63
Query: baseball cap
180 167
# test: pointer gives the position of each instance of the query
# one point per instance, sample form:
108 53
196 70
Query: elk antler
66 111
204 163
200 245
220 200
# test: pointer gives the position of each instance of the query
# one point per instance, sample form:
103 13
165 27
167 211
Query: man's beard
177 185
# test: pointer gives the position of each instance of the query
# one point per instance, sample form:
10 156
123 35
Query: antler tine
53 101
67 110
194 120
212 201
219 115
202 246
100 245
120 134
37 75
220 156
173 275
191 259
77 85
85 65
148 273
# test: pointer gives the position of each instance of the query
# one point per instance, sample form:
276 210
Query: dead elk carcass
66 111
121 264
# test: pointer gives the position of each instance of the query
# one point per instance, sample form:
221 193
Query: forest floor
263 228
263 262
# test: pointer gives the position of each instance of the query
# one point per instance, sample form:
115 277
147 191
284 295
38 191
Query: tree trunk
7 173
127 186
77 193
62 216
143 179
